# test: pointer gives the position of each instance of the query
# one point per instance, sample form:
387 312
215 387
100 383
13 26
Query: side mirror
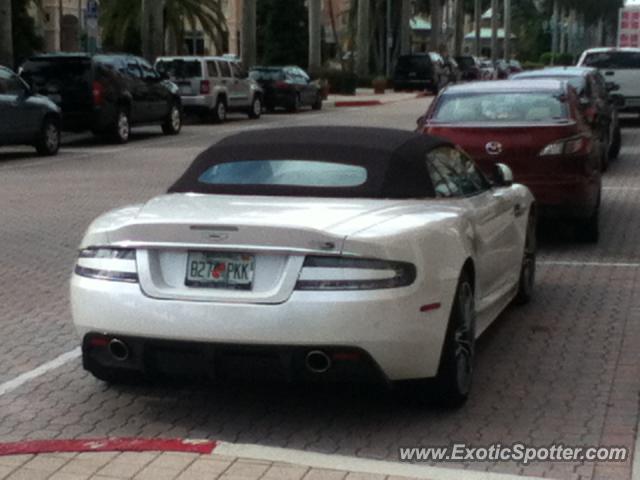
503 176
613 87
420 120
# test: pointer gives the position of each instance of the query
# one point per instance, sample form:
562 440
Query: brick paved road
563 369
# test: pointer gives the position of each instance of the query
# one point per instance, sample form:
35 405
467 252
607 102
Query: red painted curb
358 103
108 445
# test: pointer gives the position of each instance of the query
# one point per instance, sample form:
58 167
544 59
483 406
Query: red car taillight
205 87
281 84
97 90
568 146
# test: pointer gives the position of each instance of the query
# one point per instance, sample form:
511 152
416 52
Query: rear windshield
179 68
500 107
613 60
297 173
266 74
55 75
414 64
577 82
466 62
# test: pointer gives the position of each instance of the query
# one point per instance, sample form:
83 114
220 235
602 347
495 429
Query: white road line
20 380
621 188
355 464
589 264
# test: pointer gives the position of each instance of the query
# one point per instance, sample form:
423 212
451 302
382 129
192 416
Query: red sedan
537 129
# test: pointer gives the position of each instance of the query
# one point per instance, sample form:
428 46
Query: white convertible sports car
308 254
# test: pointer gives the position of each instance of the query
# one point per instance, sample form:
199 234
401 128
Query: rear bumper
198 102
209 361
274 98
385 324
421 84
573 197
95 119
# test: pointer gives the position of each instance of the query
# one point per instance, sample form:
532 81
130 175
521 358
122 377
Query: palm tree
494 30
405 27
120 17
249 33
436 25
477 16
6 35
507 29
363 37
315 54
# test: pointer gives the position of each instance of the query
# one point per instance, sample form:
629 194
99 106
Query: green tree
121 21
282 32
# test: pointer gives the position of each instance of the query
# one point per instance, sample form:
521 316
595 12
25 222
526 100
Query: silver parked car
213 86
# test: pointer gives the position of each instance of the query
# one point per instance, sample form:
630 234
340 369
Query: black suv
106 94
424 71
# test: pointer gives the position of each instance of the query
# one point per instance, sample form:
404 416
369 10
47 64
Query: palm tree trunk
436 25
152 29
494 30
507 29
458 27
362 42
563 32
555 25
315 40
6 35
249 33
477 13
405 27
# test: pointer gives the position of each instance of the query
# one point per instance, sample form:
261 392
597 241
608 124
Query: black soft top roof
394 159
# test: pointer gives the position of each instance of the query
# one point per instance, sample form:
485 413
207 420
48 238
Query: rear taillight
97 89
102 263
281 84
205 87
341 273
569 146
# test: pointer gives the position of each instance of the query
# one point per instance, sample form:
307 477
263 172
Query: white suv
213 86
620 66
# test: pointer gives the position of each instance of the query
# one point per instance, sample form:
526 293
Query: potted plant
379 85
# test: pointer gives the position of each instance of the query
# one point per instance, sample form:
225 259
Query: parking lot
563 369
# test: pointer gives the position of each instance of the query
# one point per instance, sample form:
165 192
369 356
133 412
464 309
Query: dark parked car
470 67
106 94
599 107
420 71
536 127
503 69
287 87
25 118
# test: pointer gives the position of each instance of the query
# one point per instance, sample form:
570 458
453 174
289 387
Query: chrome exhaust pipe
317 361
118 350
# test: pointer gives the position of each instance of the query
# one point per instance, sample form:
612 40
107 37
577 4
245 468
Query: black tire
255 110
121 130
317 105
616 144
588 229
528 268
294 106
173 123
48 140
453 382
219 112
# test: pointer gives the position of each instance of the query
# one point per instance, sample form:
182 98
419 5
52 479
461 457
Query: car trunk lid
272 233
517 146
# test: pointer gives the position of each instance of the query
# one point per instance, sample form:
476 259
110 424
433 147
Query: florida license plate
220 270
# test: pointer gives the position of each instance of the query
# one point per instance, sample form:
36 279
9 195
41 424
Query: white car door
494 235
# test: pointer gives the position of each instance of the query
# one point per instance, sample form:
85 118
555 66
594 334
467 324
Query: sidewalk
175 459
365 97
